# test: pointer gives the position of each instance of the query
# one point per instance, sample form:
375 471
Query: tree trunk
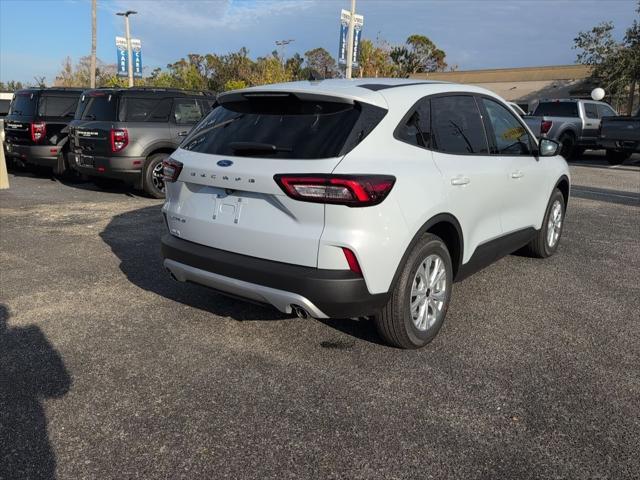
93 43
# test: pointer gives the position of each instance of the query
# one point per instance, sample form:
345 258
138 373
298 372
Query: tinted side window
187 111
511 138
606 111
57 106
590 110
457 126
417 129
145 109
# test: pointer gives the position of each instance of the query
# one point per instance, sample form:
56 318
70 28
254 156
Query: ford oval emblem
225 163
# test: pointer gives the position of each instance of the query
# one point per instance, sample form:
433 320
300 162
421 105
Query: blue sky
36 35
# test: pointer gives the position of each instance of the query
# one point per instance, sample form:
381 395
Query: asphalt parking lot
110 370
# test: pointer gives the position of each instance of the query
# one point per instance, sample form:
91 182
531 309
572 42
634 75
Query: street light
128 35
281 45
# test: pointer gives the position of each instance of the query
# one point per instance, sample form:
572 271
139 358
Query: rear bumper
323 293
122 168
45 155
622 145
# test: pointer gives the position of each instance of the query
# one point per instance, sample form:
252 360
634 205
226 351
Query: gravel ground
111 370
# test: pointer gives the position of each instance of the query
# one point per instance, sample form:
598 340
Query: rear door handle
183 133
517 174
459 181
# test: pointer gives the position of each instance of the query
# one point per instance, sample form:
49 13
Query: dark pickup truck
620 136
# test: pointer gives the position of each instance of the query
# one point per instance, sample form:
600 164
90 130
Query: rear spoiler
246 95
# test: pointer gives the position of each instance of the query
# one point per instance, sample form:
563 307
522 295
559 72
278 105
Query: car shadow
134 238
31 370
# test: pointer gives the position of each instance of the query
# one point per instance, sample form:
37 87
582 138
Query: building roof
524 74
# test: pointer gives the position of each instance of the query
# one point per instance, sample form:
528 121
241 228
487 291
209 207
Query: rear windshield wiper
257 147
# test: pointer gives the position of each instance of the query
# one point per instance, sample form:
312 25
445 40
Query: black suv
126 133
36 126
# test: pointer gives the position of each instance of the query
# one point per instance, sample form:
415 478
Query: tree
80 74
375 60
616 65
11 86
322 62
418 54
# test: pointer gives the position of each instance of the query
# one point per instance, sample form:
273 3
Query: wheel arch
159 147
447 227
564 185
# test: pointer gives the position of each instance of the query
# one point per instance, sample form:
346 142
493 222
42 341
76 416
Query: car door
591 123
473 179
186 113
524 198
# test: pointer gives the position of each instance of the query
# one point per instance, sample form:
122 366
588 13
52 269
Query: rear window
97 106
24 103
282 127
134 109
557 109
4 107
57 105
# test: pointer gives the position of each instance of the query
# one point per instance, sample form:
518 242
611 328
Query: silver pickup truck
574 124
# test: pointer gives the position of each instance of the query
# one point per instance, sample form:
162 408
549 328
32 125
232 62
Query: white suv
352 198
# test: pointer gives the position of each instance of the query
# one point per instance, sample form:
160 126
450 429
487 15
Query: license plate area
86 161
227 209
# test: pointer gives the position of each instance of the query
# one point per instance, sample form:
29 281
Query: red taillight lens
349 190
354 266
546 126
119 139
171 170
38 131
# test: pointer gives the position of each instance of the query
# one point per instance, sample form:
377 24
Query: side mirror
548 148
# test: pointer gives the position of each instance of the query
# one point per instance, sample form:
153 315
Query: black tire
151 183
395 323
567 145
540 246
616 157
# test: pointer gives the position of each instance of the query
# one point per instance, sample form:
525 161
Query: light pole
128 35
282 45
350 39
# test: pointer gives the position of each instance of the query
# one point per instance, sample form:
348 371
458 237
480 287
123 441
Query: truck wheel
418 303
616 157
547 238
152 181
567 145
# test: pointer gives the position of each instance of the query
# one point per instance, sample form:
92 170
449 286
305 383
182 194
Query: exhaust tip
172 275
300 312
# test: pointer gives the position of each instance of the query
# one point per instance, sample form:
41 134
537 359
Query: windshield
557 109
98 106
275 127
24 104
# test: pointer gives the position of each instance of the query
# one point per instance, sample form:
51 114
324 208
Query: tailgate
240 208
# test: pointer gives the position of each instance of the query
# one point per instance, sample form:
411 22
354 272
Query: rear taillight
171 170
349 190
119 139
38 131
354 266
545 126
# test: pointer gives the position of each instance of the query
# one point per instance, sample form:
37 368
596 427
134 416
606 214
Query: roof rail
207 93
